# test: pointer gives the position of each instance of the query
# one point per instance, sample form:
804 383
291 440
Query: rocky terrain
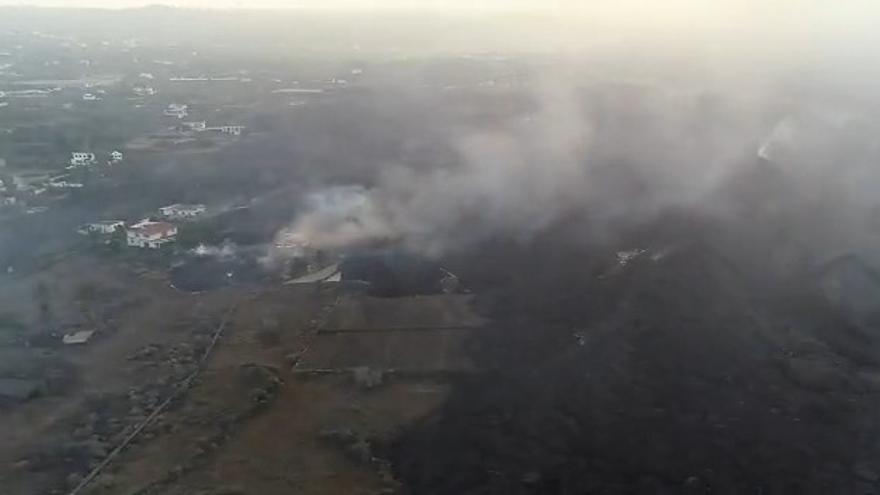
671 360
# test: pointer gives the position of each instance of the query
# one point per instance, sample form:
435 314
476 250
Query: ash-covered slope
688 367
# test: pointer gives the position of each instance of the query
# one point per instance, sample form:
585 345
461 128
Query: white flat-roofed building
81 159
199 126
102 227
234 130
182 211
177 110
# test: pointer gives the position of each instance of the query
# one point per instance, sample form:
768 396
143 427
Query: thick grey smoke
338 217
225 251
619 152
509 181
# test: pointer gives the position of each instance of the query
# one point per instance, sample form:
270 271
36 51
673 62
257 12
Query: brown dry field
280 449
149 312
220 435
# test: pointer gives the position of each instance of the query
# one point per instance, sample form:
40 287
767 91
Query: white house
116 156
151 235
143 90
177 110
182 212
78 338
90 97
81 159
103 227
234 130
63 184
195 126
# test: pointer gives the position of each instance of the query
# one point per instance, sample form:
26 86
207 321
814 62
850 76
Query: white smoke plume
225 251
616 151
343 216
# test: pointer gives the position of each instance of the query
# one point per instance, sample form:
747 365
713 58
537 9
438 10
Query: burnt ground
703 369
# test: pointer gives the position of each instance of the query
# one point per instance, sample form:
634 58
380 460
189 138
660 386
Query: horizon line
291 8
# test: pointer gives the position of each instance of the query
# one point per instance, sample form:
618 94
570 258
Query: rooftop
152 228
182 206
80 337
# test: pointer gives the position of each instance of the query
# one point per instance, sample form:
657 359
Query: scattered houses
116 157
182 211
103 227
152 235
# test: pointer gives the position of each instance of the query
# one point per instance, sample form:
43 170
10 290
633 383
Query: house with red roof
151 235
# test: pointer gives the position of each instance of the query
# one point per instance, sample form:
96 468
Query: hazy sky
796 8
368 4
802 25
805 14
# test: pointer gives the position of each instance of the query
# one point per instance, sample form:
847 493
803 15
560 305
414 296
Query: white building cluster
150 234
